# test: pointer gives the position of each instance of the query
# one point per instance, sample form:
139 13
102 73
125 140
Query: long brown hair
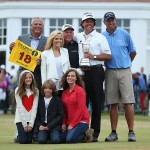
50 84
64 82
21 86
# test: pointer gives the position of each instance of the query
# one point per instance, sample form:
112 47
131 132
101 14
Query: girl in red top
26 95
76 115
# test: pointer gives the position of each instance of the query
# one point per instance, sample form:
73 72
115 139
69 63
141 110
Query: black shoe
35 138
95 139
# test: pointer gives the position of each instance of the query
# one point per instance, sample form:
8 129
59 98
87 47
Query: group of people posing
57 108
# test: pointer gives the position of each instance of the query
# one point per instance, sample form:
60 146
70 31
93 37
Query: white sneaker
16 140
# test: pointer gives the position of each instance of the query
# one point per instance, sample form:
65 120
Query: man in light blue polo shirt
118 76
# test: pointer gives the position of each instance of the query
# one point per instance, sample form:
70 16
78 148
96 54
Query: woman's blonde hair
49 42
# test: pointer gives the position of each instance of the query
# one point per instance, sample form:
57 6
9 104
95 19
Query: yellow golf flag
24 55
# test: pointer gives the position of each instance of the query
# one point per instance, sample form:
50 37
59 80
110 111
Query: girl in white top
26 95
55 59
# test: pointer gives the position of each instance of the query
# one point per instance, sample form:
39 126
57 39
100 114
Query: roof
75 0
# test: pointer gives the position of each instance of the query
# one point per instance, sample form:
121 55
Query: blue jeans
75 135
44 135
24 137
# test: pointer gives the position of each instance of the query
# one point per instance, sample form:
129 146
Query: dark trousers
94 89
24 137
44 135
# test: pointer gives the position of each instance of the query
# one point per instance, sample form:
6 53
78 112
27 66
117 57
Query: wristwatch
95 57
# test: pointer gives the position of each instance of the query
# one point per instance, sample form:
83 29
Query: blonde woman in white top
26 95
55 59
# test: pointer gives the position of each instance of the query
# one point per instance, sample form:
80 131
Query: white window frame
27 27
122 24
3 29
58 26
148 33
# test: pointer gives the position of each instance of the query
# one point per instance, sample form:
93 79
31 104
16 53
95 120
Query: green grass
142 130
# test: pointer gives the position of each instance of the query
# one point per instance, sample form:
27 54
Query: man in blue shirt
142 91
118 76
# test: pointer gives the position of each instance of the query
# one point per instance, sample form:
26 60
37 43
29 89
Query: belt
91 67
96 66
117 68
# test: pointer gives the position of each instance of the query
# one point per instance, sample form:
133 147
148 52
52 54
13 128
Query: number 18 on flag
24 55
